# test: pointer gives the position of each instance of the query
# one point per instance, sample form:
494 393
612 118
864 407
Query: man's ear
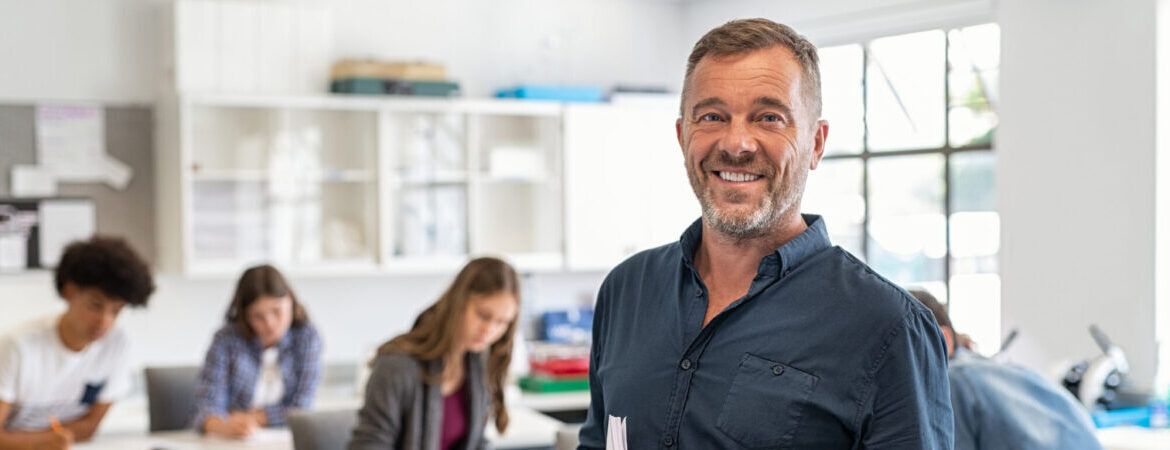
678 130
820 135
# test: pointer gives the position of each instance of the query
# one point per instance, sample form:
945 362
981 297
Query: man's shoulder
648 261
869 294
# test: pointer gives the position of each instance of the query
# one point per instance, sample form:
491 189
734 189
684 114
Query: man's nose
739 139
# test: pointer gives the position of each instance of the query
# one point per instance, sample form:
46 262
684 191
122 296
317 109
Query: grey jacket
401 412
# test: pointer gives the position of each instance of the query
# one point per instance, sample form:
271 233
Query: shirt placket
689 363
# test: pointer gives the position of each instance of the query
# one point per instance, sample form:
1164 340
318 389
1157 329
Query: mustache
746 161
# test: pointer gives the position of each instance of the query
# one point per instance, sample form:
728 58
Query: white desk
1134 438
528 429
271 439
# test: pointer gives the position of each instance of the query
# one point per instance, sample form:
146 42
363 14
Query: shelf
513 180
246 175
559 401
373 103
438 178
216 269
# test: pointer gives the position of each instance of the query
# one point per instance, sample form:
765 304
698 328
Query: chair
567 438
322 430
170 394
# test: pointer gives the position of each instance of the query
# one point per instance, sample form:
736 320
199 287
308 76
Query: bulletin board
129 137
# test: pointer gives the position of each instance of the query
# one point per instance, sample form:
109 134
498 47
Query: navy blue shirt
820 353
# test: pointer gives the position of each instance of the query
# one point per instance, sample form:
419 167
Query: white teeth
739 177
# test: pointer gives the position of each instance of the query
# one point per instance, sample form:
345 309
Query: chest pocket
765 404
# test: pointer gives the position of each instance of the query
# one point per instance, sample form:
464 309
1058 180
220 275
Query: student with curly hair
60 374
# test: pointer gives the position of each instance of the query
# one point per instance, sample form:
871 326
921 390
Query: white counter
125 429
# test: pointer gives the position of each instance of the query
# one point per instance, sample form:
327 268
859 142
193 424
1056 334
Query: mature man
60 374
753 331
1003 406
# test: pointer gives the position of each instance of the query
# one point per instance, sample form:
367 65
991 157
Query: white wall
1162 209
1076 178
104 51
830 22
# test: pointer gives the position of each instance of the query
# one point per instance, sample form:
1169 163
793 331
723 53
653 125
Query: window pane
841 100
974 309
974 220
905 90
834 192
974 84
907 227
975 249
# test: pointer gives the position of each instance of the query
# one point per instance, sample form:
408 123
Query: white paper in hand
615 436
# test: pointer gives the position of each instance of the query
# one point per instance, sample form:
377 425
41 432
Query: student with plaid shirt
263 363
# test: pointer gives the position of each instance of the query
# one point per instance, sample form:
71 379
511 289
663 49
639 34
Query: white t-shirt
269 385
40 377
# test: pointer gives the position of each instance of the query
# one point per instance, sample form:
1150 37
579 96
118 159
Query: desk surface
1134 438
528 429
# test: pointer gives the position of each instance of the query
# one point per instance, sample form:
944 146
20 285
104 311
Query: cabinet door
625 185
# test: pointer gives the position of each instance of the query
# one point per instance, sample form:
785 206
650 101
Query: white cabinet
328 185
352 185
626 188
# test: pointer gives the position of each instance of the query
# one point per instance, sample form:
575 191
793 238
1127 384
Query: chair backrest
170 394
322 430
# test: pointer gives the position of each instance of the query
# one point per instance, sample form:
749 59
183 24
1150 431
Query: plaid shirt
228 379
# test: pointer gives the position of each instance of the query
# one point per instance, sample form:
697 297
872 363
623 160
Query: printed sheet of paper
615 437
71 143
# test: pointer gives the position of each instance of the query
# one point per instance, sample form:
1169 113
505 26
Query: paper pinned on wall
62 222
71 144
32 181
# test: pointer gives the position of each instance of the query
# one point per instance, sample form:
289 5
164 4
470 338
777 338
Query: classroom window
908 179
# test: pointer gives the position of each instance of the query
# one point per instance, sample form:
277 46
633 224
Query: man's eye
771 118
710 117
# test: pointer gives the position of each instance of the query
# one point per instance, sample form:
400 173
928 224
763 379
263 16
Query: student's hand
243 423
60 439
237 426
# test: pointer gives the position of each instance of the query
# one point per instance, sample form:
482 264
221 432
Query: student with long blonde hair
434 387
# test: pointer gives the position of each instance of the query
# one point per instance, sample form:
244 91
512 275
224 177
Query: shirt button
685 364
777 370
669 441
699 293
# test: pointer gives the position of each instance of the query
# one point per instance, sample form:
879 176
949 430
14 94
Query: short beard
755 225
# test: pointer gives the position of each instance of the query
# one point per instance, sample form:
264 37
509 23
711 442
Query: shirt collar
812 240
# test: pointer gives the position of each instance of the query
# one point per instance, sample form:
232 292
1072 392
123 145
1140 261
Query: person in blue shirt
263 363
1001 406
753 330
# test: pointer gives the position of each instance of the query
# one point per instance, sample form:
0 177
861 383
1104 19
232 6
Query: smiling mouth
736 177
